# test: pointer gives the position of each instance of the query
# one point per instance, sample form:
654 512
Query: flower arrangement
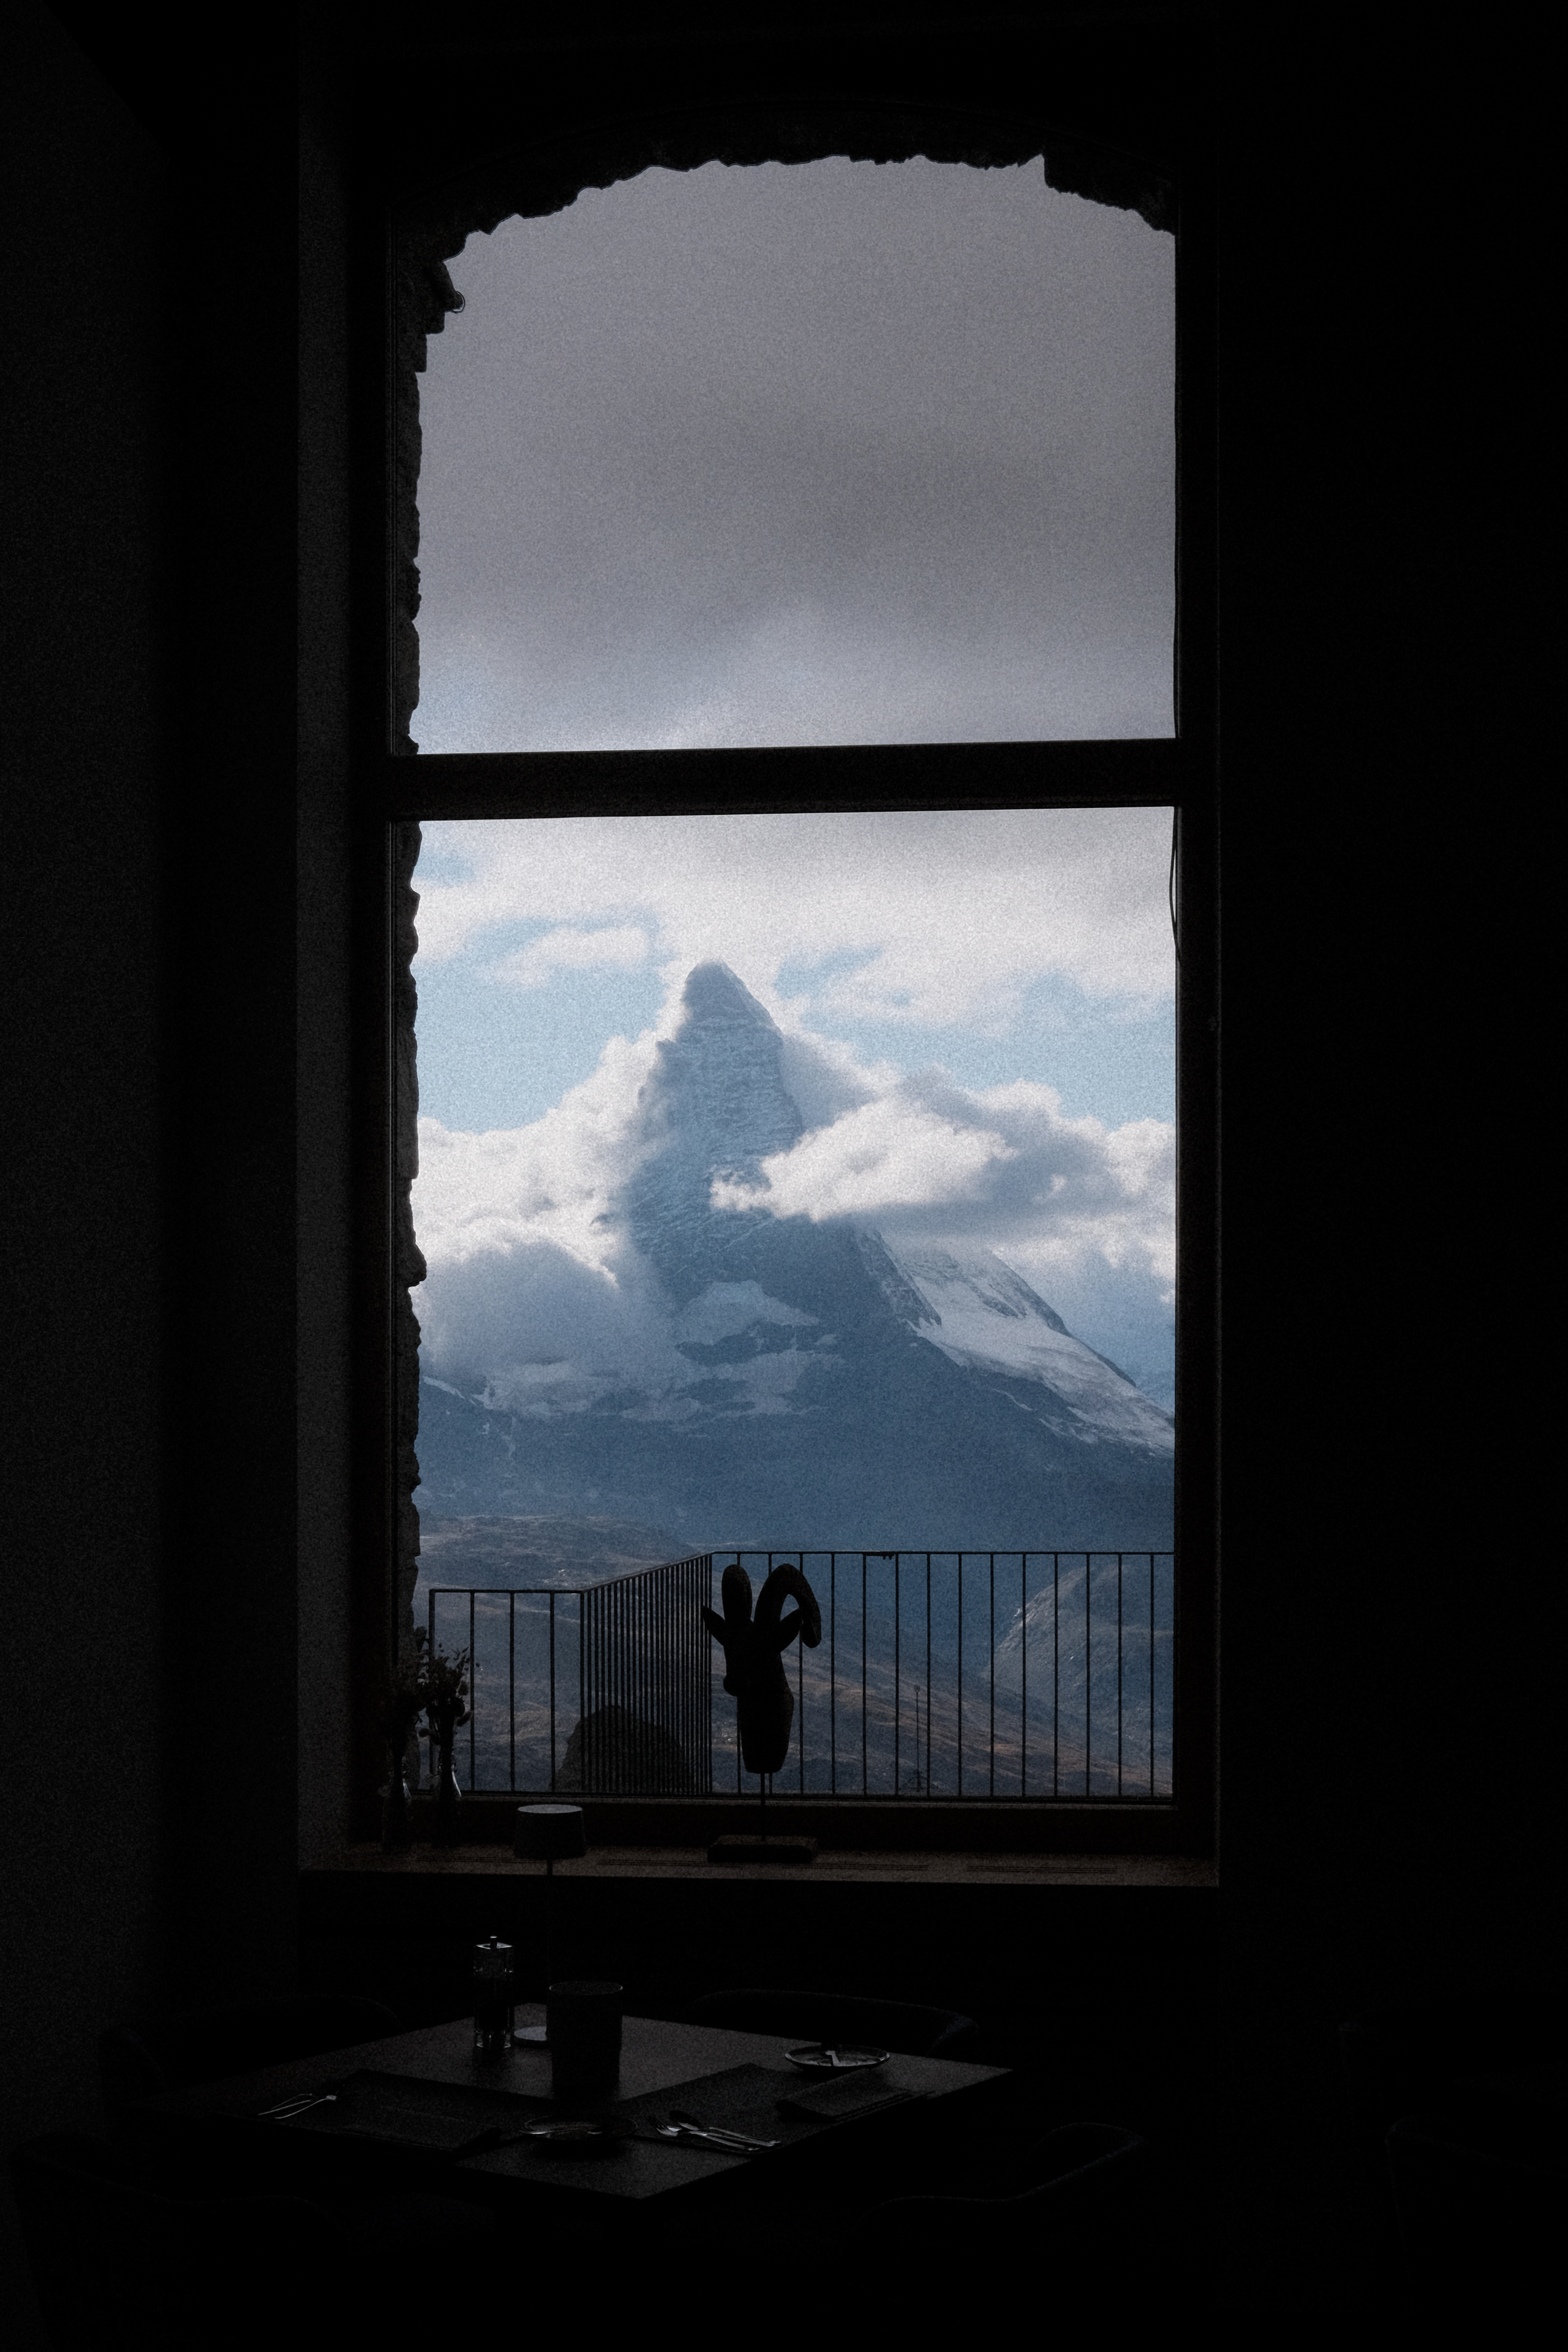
443 1689
443 1686
431 1684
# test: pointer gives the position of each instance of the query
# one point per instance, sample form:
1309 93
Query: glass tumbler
495 1997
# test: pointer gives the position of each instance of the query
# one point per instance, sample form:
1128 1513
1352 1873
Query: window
662 779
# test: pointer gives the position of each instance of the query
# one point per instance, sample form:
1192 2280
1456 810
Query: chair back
1480 2189
1417 2057
115 2264
1073 2235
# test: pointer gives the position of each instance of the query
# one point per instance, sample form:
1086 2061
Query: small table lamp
548 1833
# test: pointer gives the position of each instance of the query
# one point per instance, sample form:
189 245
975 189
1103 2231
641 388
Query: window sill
837 1866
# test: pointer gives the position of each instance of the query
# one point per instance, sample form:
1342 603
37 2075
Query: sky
978 1015
825 454
842 452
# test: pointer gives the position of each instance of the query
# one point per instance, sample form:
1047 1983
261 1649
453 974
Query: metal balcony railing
977 1674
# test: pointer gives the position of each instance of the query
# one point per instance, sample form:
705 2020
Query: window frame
396 789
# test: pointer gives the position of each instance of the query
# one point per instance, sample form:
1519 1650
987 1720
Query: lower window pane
800 1188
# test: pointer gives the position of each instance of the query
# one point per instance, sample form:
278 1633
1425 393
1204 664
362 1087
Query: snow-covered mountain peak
983 1316
716 1100
714 1104
715 996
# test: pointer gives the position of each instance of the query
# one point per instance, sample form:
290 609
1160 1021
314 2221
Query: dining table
427 2111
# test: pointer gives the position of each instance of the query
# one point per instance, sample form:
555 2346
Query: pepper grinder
494 1998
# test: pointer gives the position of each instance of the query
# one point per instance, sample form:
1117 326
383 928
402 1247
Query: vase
448 1797
396 1811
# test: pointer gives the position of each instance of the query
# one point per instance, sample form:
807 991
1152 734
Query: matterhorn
833 1388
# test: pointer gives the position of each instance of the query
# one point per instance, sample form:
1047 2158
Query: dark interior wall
233 1270
179 932
323 967
86 754
1390 1642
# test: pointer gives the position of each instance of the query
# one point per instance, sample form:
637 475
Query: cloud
885 1156
840 452
552 1181
537 1298
936 919
1000 1166
567 949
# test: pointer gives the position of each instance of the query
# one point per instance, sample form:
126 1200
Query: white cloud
888 1154
552 1182
621 946
537 1297
938 918
1001 1166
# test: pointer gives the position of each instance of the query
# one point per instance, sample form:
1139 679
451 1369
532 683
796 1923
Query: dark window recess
1141 1640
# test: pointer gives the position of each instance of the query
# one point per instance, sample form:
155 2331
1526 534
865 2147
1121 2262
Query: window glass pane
838 452
808 1181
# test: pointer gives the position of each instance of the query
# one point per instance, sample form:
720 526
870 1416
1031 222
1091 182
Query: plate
574 2135
836 2058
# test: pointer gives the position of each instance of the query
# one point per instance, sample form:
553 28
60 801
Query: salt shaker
494 1997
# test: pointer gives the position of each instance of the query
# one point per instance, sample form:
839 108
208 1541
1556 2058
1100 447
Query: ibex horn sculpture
753 1657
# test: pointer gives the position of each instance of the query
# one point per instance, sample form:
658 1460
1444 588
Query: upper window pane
830 453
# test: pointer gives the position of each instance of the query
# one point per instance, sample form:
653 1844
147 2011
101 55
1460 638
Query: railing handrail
824 1551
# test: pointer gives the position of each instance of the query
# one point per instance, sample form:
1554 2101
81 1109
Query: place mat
405 2111
860 2094
766 2104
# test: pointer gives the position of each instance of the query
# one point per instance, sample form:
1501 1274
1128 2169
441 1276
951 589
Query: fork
287 2110
683 2128
717 2131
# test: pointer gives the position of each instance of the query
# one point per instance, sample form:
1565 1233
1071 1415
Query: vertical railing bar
512 1690
993 1781
800 1690
553 1758
430 1654
473 1691
652 1613
1024 1674
626 1666
1055 1673
928 1674
1119 1674
1088 1681
961 1674
833 1673
1150 1673
898 1667
865 1782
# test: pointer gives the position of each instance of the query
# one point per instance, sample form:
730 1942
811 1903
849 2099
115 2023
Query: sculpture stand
764 1704
735 1849
541 2032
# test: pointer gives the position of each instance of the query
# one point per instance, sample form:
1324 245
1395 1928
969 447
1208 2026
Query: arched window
1008 786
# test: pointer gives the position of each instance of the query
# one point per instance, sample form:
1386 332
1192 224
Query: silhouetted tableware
836 2058
727 2143
574 2135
